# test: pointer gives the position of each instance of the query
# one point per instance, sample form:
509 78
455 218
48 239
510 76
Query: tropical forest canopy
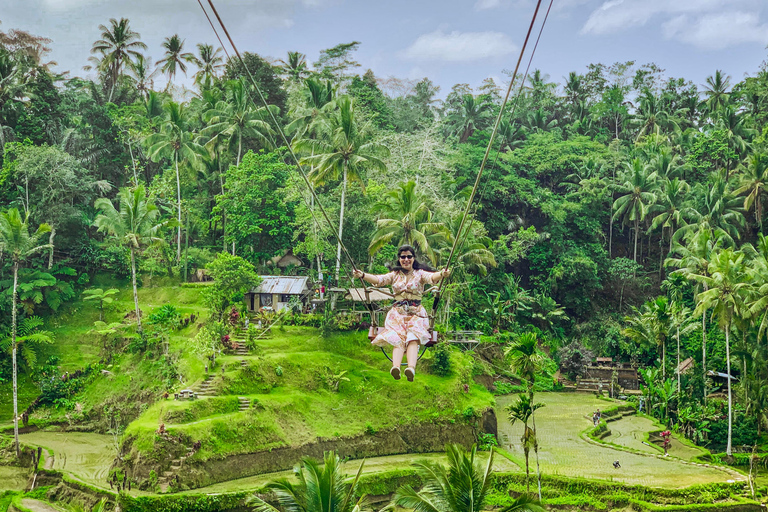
619 205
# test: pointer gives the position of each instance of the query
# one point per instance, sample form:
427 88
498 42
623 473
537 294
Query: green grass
298 403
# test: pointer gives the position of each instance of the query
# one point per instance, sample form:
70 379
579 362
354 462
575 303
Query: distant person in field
407 324
616 464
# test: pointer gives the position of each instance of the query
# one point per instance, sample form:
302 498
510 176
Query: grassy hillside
293 389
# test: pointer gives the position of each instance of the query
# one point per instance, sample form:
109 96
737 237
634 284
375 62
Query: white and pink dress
406 322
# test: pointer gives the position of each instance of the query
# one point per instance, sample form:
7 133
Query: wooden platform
465 339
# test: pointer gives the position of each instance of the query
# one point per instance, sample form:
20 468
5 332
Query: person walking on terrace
407 325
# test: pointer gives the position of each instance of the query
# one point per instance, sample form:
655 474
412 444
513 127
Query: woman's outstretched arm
374 279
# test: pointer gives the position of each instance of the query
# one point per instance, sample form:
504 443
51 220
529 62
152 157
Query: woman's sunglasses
407 257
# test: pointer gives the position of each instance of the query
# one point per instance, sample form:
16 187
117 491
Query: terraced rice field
85 455
13 479
563 451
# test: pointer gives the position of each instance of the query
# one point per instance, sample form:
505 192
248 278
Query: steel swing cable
216 32
269 135
511 115
285 140
485 157
498 151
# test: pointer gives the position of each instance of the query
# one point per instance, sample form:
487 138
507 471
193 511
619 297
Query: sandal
410 373
395 372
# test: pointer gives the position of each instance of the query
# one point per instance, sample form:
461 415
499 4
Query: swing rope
459 237
461 234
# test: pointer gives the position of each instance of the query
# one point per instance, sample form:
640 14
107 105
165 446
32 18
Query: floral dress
405 323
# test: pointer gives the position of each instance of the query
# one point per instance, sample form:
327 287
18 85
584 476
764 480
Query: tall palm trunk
15 369
678 360
704 353
135 290
536 448
728 449
239 147
637 233
178 201
341 225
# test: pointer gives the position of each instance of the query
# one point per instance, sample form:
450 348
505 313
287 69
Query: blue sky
450 41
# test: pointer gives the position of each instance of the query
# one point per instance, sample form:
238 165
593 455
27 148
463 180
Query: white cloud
460 46
481 5
617 15
718 31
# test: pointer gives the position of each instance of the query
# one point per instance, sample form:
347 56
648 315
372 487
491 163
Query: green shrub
441 360
486 442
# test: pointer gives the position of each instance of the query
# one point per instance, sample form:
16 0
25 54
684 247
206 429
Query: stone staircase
165 480
206 388
241 338
245 403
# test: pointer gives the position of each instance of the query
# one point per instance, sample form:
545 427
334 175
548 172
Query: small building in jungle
276 292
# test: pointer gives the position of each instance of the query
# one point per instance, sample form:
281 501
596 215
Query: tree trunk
239 147
186 249
178 197
135 290
15 366
637 233
341 225
729 449
704 353
678 361
536 449
664 359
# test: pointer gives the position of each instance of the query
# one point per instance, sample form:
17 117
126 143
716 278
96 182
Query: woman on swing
407 325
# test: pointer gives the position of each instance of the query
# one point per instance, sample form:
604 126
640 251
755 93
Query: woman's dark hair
416 263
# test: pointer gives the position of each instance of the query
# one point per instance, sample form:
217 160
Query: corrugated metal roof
288 285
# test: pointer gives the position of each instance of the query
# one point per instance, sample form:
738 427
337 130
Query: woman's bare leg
397 356
413 353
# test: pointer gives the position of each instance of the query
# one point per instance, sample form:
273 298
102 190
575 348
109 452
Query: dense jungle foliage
620 214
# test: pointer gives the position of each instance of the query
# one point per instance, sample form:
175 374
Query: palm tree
472 115
694 260
319 102
758 270
118 46
668 210
461 487
754 183
18 244
295 68
134 225
175 57
718 210
141 71
236 117
716 91
637 195
344 151
403 214
540 121
320 488
524 357
29 340
650 326
176 142
522 411
726 285
652 115
473 252
209 63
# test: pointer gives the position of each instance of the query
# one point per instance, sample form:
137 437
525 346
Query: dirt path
631 432
563 451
